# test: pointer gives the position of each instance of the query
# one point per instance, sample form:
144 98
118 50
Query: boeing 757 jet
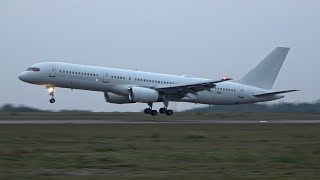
126 86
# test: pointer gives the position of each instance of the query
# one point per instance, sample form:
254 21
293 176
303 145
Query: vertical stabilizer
265 73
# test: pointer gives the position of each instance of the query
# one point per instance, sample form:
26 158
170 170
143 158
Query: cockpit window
34 69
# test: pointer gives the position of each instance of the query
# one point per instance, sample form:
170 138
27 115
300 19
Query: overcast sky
207 39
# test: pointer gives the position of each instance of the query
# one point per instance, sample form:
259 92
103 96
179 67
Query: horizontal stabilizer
274 93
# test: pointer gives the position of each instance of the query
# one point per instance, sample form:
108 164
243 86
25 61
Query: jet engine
116 99
144 95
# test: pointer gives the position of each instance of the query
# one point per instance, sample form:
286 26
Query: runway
61 122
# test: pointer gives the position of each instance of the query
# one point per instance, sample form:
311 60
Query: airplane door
53 71
106 77
241 93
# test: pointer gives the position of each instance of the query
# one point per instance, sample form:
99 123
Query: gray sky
207 39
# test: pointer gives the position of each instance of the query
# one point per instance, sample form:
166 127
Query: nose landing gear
51 93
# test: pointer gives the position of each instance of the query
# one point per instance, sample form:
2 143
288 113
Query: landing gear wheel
52 100
154 113
162 110
169 113
147 111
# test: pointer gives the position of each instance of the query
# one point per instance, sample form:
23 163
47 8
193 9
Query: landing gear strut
51 93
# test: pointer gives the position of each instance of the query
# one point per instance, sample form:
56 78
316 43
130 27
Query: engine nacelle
116 99
144 95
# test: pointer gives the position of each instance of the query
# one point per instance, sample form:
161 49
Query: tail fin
265 73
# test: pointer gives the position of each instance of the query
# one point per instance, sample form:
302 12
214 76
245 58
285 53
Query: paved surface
159 122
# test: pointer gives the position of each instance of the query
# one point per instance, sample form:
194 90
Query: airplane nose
22 76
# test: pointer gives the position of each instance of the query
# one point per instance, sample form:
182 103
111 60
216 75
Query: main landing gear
150 111
51 94
163 110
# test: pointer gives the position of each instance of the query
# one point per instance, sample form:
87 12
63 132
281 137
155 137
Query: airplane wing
273 93
190 87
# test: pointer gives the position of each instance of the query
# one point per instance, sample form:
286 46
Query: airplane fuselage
117 81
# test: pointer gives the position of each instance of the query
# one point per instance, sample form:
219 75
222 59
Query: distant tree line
274 108
15 109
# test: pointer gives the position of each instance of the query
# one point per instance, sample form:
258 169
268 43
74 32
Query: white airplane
126 86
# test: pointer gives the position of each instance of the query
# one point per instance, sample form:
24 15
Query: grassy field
166 151
142 116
